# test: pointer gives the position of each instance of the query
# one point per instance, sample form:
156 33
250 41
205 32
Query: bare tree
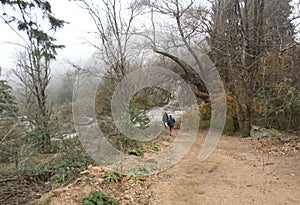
248 38
237 39
33 67
113 29
186 28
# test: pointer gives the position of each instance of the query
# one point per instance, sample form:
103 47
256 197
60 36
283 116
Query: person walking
171 122
165 119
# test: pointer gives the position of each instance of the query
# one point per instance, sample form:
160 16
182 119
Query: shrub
138 172
155 148
61 168
112 176
189 116
98 198
137 152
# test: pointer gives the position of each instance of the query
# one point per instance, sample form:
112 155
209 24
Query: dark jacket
171 121
165 117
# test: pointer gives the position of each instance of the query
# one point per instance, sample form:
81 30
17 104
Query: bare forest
228 71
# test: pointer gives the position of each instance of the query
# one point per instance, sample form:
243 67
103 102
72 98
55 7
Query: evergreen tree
8 106
280 30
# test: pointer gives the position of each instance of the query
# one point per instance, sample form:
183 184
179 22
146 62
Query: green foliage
36 136
98 198
282 107
142 171
155 148
34 32
278 100
137 152
4 158
8 106
64 167
138 173
112 176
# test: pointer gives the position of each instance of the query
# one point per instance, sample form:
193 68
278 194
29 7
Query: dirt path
236 173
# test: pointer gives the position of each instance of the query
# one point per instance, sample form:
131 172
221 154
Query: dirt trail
236 173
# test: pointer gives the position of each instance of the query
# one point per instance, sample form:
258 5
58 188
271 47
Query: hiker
165 119
171 122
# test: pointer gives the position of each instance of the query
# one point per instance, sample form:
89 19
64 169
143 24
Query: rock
85 172
100 180
45 199
58 191
258 132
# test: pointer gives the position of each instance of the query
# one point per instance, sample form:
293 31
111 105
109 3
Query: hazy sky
73 36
